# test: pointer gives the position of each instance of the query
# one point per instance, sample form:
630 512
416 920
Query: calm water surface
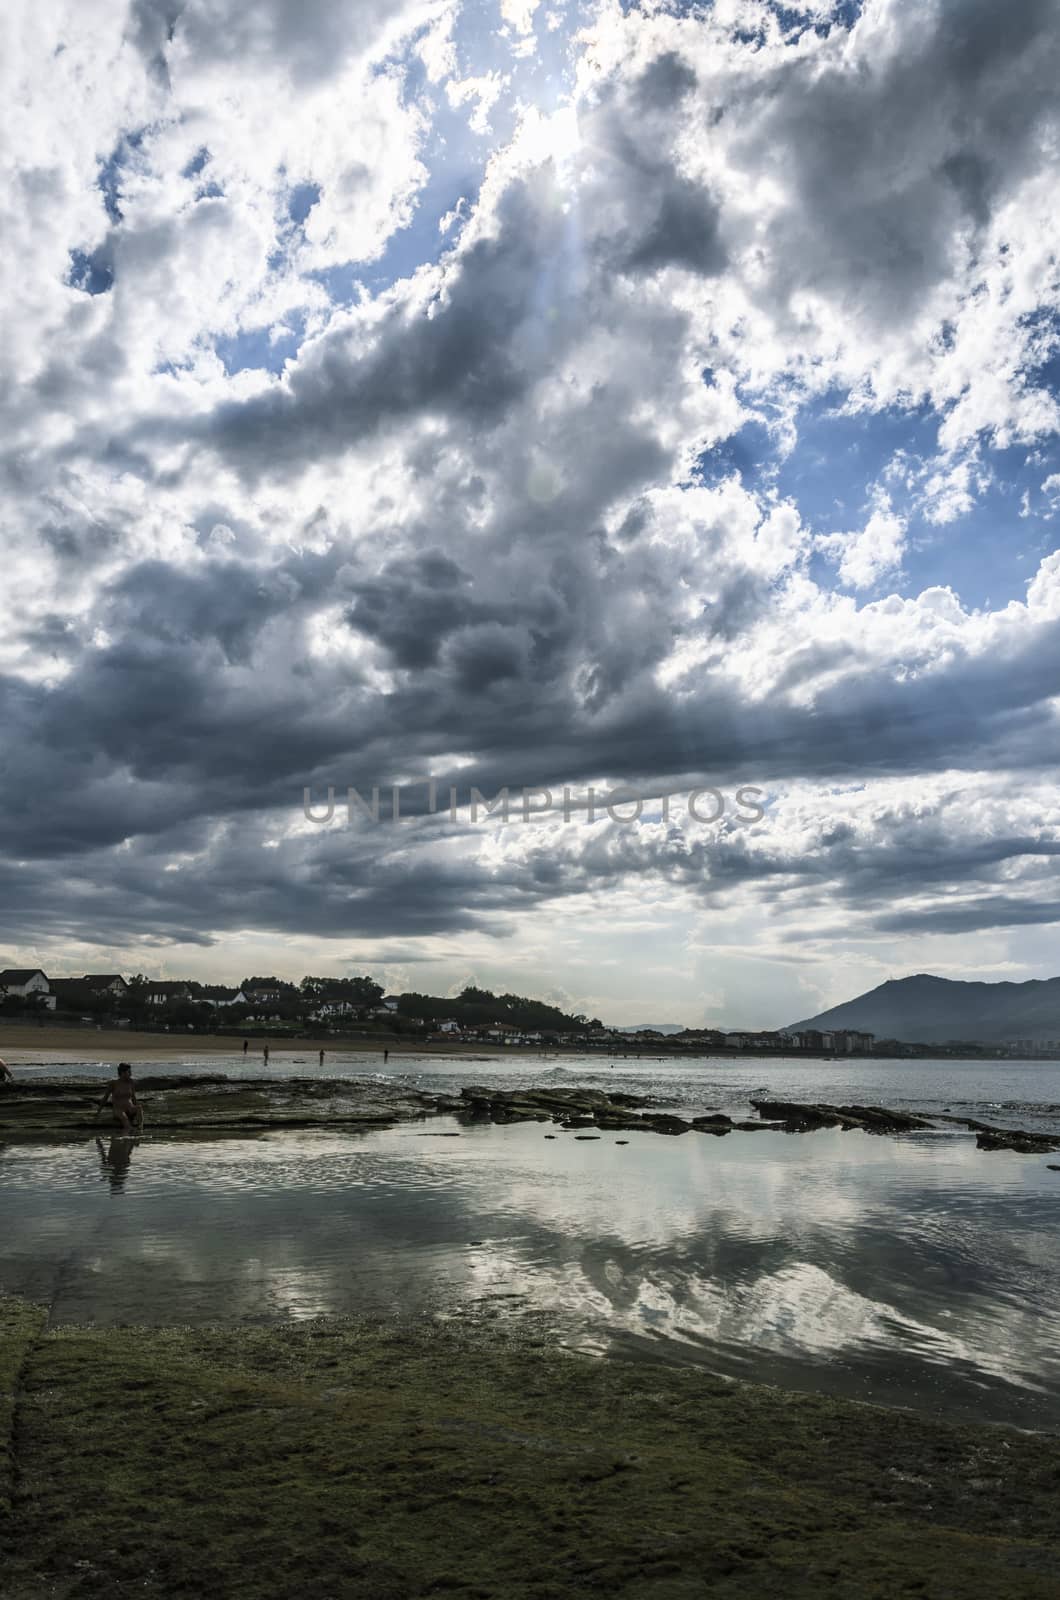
914 1271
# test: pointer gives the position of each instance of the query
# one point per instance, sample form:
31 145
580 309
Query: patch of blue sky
108 182
793 20
110 170
91 271
847 12
196 164
990 552
1044 374
301 200
257 348
1042 369
987 553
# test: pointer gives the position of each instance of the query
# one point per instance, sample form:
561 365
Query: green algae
20 1327
345 1459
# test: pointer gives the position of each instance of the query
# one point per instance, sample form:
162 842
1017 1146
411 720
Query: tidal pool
913 1271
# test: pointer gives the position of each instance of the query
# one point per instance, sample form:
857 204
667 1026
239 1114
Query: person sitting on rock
125 1108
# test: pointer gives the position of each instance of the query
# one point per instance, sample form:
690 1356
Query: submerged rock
662 1123
717 1123
797 1117
1017 1139
569 1108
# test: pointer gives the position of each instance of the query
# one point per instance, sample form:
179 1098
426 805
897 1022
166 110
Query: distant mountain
933 1010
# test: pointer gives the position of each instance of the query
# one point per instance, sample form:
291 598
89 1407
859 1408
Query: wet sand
26 1041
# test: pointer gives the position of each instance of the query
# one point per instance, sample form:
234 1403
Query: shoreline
120 1044
392 1460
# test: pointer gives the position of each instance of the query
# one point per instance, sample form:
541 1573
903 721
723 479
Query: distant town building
105 983
162 992
212 994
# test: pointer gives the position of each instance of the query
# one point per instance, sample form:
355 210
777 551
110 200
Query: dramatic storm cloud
566 396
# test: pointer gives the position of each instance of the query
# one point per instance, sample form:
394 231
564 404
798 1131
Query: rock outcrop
1017 1139
797 1117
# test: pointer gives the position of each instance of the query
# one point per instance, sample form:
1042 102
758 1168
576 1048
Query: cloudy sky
532 394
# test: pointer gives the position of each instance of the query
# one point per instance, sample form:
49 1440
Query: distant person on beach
386 1057
246 1046
321 1058
5 1072
265 1054
125 1108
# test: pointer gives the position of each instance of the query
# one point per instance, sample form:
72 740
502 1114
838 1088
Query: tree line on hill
477 1008
315 999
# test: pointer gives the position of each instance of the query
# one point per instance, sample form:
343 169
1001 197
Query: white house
336 1008
23 981
27 983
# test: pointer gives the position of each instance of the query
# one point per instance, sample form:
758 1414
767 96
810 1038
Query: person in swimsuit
125 1108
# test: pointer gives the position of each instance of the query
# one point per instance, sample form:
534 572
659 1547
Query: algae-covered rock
368 1462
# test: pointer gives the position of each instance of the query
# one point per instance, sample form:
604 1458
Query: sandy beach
23 1041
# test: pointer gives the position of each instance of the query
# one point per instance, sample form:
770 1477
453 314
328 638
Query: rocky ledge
218 1104
575 1109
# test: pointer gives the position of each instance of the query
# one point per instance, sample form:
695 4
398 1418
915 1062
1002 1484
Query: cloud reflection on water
917 1271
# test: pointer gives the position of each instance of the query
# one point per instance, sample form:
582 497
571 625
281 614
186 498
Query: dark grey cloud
467 357
664 81
209 705
996 910
894 150
683 231
647 212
